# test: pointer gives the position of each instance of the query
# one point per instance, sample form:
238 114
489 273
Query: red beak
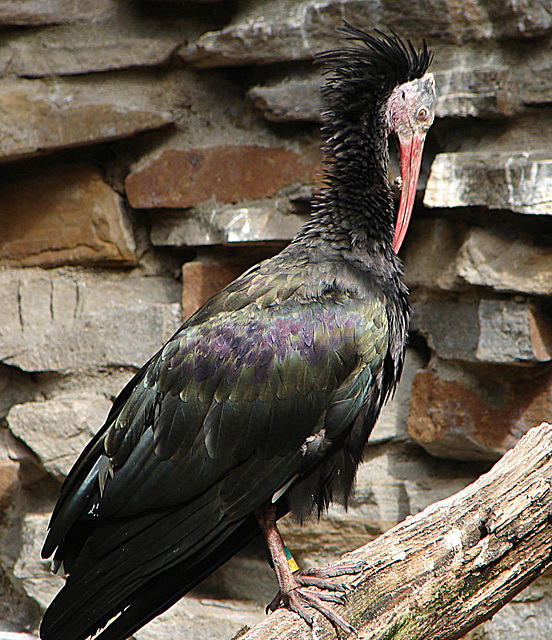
410 159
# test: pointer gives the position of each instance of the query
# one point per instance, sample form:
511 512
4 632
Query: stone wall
151 151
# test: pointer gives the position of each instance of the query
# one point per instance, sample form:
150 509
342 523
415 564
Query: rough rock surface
63 321
36 119
57 430
498 330
185 177
477 413
152 150
65 215
519 182
215 224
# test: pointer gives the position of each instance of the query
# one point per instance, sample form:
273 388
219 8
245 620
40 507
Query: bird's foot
312 589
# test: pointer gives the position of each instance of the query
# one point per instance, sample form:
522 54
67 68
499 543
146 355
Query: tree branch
445 570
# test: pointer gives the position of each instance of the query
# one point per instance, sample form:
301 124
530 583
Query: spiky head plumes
376 88
369 72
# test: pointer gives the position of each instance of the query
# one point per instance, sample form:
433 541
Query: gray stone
430 252
289 100
37 12
15 387
516 181
64 320
124 37
204 618
34 573
282 30
214 223
505 331
473 92
39 116
57 430
505 261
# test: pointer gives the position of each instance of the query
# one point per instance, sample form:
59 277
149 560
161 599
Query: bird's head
410 113
376 89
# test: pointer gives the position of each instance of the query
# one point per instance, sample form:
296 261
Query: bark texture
443 571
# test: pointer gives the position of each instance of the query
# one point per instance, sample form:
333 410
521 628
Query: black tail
84 606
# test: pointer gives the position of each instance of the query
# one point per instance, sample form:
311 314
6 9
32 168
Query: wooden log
440 573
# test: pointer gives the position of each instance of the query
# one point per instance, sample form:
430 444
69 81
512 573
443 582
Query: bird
262 401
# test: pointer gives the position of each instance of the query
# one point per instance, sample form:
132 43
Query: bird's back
268 392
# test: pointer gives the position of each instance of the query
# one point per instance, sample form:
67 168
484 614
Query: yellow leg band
291 560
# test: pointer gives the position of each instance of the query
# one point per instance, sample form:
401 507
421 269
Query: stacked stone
153 151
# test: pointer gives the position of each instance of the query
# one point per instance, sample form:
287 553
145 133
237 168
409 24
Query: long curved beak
410 160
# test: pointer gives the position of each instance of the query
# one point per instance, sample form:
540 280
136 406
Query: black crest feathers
381 63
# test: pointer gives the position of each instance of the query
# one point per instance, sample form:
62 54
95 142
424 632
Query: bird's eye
423 114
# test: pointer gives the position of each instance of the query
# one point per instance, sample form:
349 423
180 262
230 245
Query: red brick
185 177
201 280
477 413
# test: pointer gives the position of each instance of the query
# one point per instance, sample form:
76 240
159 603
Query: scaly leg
296 587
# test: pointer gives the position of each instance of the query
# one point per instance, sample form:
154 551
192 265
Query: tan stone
185 177
62 214
34 121
8 483
506 261
201 280
476 413
35 12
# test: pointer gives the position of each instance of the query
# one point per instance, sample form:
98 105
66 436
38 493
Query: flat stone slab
473 413
517 181
212 224
283 30
73 321
506 261
494 330
37 118
60 215
37 12
179 178
57 430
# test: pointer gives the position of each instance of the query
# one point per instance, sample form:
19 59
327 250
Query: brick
476 413
178 178
201 280
64 320
63 214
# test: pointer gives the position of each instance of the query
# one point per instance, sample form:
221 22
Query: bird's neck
355 206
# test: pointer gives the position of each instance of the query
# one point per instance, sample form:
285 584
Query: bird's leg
296 587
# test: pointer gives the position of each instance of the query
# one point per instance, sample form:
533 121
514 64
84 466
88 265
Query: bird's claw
300 599
312 589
